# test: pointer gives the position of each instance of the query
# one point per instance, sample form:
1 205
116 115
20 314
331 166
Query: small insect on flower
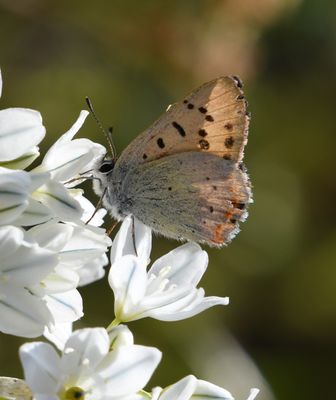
183 177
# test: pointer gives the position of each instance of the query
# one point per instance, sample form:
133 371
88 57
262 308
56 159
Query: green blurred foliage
133 59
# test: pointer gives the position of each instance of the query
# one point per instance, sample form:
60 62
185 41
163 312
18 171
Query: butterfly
184 176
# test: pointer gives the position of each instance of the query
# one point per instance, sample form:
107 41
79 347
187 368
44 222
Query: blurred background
134 59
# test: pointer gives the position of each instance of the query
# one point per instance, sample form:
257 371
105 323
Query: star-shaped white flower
168 291
21 130
191 388
23 264
87 368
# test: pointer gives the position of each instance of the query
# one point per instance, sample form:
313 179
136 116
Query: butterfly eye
106 167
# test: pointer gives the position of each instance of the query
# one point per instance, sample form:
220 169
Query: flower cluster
47 250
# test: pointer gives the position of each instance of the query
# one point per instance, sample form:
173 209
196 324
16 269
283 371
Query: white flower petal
59 334
22 262
67 158
71 158
68 136
120 336
206 390
156 392
186 263
23 161
65 307
41 365
35 213
55 196
22 313
123 242
46 397
181 390
92 271
127 279
38 179
127 369
85 350
21 130
193 309
52 235
14 189
253 394
61 280
89 210
85 245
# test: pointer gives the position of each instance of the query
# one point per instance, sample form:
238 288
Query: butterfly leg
111 228
97 206
133 236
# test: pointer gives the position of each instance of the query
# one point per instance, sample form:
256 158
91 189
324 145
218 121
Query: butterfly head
102 171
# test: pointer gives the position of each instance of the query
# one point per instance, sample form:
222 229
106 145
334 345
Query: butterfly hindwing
195 196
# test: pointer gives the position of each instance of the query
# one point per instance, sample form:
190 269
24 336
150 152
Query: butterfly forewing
212 119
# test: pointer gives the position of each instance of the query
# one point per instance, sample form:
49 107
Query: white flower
81 252
58 199
120 336
191 388
21 130
87 368
66 161
14 189
168 290
67 158
23 264
43 193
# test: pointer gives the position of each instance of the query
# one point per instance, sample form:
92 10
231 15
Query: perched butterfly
184 177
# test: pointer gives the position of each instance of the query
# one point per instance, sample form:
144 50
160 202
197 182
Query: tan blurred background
134 58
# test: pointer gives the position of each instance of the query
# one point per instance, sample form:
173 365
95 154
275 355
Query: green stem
114 323
144 393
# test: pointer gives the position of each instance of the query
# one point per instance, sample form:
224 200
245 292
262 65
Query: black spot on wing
229 141
179 128
202 132
160 143
204 144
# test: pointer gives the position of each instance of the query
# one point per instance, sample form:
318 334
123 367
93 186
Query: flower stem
114 323
144 393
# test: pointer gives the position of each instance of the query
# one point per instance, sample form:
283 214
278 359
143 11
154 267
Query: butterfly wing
212 119
195 196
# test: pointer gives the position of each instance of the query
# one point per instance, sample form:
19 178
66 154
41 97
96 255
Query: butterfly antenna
108 134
